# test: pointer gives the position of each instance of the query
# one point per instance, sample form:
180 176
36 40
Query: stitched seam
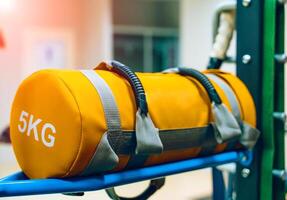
81 128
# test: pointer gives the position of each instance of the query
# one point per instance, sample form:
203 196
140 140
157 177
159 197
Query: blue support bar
19 185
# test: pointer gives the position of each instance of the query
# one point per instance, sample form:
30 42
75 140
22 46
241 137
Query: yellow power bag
83 122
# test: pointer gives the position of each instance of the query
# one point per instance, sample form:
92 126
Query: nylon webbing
107 99
104 150
229 94
226 124
147 135
249 134
235 109
172 139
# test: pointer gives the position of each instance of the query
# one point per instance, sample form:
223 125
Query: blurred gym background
147 35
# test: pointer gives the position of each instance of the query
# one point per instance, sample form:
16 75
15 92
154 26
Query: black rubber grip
134 81
214 63
212 93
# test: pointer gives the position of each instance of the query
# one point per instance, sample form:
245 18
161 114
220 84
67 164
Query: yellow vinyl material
66 100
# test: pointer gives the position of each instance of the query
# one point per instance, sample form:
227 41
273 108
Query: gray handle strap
104 158
250 134
154 186
227 127
147 135
235 107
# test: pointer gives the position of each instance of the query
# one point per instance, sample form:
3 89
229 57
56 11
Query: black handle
212 93
134 81
214 63
152 188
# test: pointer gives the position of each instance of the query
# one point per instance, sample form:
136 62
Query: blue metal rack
18 184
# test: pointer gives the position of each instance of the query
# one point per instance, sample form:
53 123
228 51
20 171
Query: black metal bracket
249 22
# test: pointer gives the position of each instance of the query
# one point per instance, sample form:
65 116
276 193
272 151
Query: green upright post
266 189
260 34
272 101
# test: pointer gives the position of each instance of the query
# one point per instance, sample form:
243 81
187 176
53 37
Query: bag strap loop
250 134
105 157
147 135
154 186
136 84
212 93
227 127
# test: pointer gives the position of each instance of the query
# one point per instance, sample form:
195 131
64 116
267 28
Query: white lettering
33 126
24 122
28 125
50 136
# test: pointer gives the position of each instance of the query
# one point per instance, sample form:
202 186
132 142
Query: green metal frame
273 101
279 132
249 24
262 37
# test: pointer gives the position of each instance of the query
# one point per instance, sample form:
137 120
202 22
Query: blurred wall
196 17
87 20
97 32
124 9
